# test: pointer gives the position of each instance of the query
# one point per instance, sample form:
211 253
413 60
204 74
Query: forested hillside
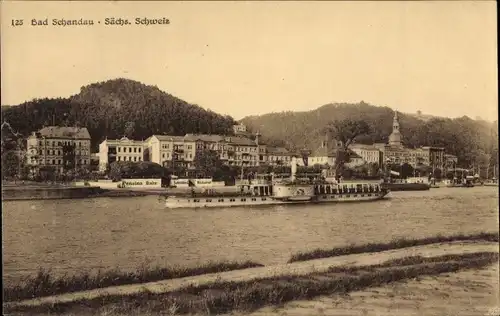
469 139
116 108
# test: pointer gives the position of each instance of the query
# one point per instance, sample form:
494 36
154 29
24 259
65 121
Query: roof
64 132
324 152
234 140
124 139
278 151
352 154
364 147
168 138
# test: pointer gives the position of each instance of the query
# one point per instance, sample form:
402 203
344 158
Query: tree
207 162
129 129
142 169
406 170
346 131
10 164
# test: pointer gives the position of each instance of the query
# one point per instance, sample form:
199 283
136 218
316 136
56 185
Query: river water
71 236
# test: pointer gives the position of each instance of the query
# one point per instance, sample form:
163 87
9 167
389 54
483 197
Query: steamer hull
285 195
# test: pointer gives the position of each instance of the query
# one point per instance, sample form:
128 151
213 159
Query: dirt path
298 268
464 293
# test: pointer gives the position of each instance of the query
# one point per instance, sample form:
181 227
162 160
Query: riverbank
472 292
253 288
58 192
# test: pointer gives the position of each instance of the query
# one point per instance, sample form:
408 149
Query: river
71 236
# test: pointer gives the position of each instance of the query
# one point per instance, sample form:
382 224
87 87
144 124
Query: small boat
491 183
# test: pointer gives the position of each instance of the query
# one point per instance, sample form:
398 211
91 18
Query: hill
468 139
115 108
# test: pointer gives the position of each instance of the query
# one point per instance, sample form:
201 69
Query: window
130 149
119 149
59 161
118 158
135 158
53 161
135 149
139 149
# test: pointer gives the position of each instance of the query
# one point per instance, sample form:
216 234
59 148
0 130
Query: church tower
395 137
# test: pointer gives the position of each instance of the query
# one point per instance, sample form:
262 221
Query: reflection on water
74 235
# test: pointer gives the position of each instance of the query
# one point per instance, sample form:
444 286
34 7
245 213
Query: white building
60 147
164 149
240 128
324 155
279 156
368 153
124 149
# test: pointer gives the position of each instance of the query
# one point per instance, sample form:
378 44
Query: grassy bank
45 284
395 244
223 297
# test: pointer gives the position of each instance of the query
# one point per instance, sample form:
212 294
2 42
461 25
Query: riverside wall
48 193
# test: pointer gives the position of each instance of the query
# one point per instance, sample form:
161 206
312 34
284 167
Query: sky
251 58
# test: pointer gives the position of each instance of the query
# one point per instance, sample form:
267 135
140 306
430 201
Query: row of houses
392 152
182 150
70 146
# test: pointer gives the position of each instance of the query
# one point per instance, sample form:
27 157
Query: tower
395 137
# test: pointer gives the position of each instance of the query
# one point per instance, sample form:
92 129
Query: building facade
395 152
63 148
124 149
368 153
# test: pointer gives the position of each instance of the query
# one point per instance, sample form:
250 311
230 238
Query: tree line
117 108
474 142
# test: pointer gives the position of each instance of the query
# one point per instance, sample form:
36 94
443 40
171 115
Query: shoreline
341 274
43 285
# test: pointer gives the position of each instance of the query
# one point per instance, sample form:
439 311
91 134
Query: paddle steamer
272 193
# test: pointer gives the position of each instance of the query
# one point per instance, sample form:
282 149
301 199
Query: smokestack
294 169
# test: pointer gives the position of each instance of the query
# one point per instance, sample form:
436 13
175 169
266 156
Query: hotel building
59 147
124 149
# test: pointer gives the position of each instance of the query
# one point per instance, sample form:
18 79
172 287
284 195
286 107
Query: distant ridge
105 108
464 137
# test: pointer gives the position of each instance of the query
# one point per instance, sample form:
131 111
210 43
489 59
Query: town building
280 156
182 150
450 161
368 153
124 149
60 147
326 154
239 128
396 153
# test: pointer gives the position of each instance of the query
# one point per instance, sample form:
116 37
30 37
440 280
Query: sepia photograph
250 158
